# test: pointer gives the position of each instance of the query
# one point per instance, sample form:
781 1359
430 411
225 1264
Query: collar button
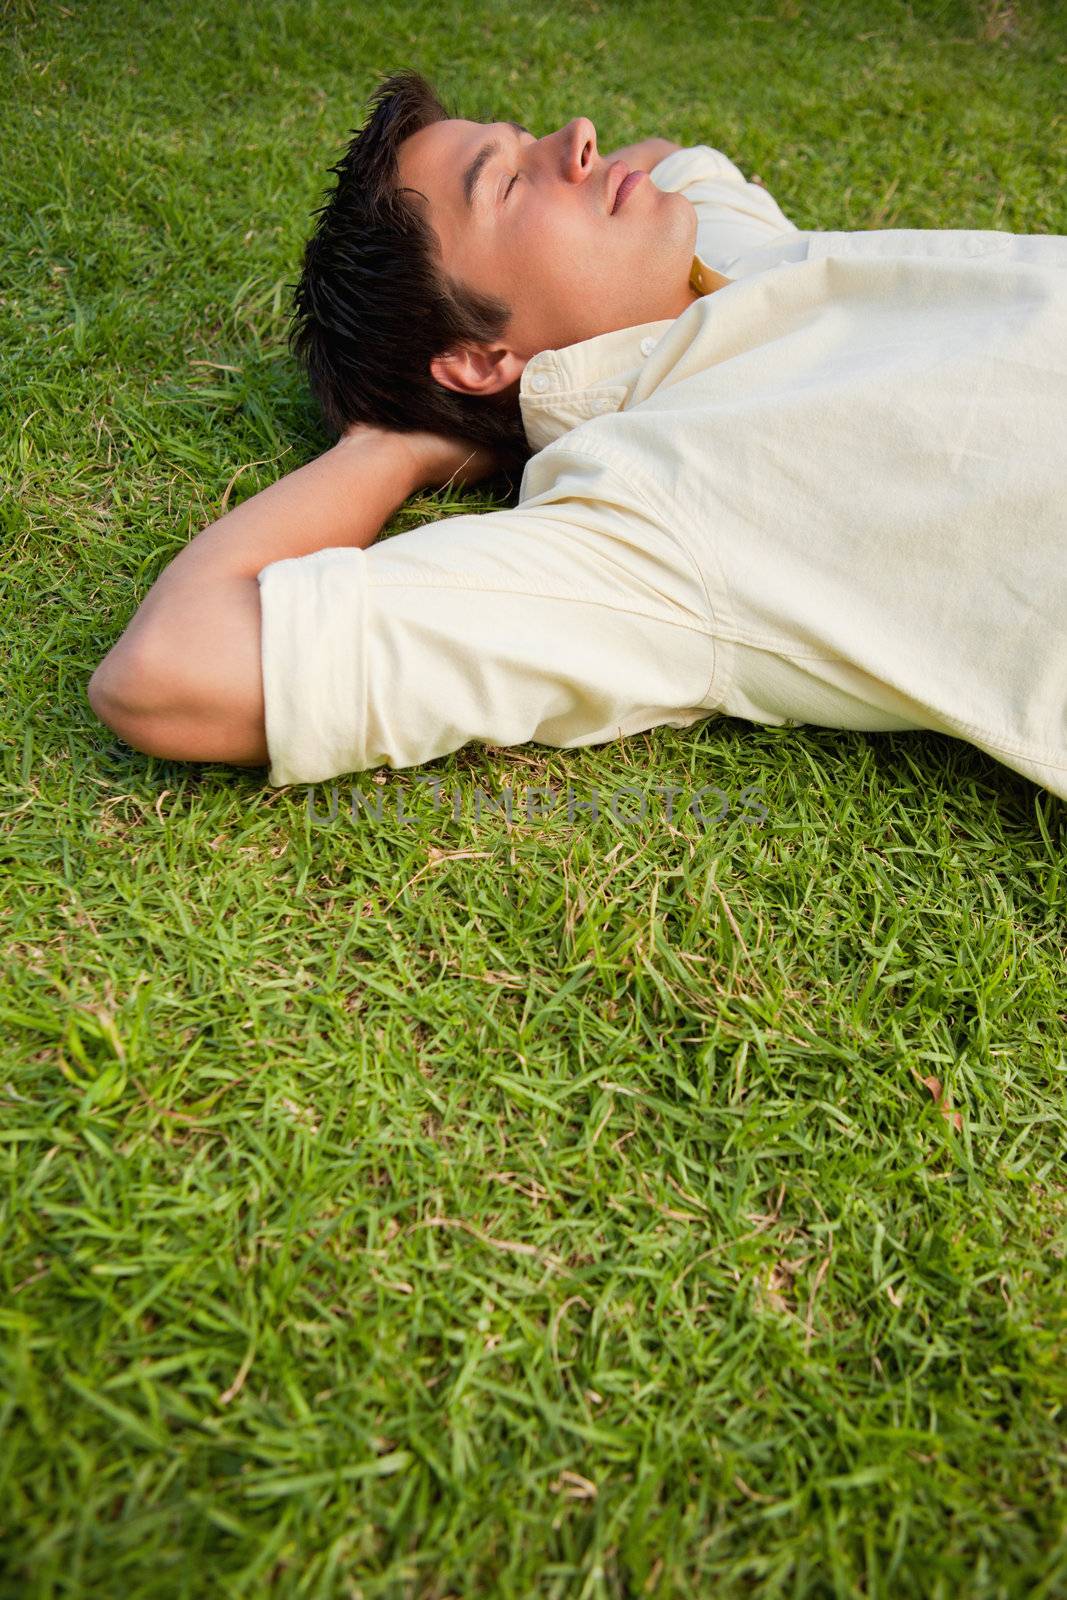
648 345
539 383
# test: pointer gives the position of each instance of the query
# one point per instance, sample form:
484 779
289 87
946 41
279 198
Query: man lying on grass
786 476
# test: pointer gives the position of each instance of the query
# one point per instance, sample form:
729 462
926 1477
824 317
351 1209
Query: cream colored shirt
833 491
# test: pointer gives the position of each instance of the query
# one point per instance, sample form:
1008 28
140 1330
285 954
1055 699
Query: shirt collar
559 389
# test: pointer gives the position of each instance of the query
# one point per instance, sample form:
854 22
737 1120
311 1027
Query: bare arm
644 156
184 680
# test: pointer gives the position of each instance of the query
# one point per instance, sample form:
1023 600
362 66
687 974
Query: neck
683 301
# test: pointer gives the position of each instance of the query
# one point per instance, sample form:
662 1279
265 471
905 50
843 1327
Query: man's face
532 223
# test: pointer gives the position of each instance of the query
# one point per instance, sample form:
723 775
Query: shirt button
604 404
539 383
647 346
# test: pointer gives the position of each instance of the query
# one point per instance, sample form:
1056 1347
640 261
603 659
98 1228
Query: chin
687 220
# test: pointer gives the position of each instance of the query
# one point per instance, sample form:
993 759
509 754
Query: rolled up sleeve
569 621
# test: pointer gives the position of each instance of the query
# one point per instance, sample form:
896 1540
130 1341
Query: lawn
669 1201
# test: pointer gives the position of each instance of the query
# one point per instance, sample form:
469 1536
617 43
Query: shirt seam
774 648
982 734
1036 752
536 401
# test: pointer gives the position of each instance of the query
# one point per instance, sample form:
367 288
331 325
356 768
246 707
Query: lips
630 180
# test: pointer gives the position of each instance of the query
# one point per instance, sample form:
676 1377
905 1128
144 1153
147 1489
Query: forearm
343 497
645 155
184 681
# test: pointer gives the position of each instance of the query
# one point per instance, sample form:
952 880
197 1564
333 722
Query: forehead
437 149
437 158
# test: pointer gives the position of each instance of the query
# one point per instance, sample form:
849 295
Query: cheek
567 253
555 265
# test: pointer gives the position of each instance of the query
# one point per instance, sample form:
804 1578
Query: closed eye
518 129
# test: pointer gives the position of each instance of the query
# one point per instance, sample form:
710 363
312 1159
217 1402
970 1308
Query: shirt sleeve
733 214
569 620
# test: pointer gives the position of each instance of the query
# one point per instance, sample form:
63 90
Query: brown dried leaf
574 1486
937 1094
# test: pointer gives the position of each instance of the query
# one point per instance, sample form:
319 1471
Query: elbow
122 694
162 704
104 693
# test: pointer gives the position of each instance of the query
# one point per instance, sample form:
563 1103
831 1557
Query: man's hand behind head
435 458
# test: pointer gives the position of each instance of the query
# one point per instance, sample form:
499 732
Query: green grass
442 1207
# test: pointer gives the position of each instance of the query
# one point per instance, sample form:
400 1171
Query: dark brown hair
374 305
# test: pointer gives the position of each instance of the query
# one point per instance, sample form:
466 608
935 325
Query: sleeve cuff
312 652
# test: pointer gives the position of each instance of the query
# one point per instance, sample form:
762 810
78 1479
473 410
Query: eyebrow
474 171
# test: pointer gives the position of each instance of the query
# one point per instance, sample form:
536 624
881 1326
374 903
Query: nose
579 147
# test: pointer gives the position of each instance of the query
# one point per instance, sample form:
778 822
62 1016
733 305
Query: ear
478 369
